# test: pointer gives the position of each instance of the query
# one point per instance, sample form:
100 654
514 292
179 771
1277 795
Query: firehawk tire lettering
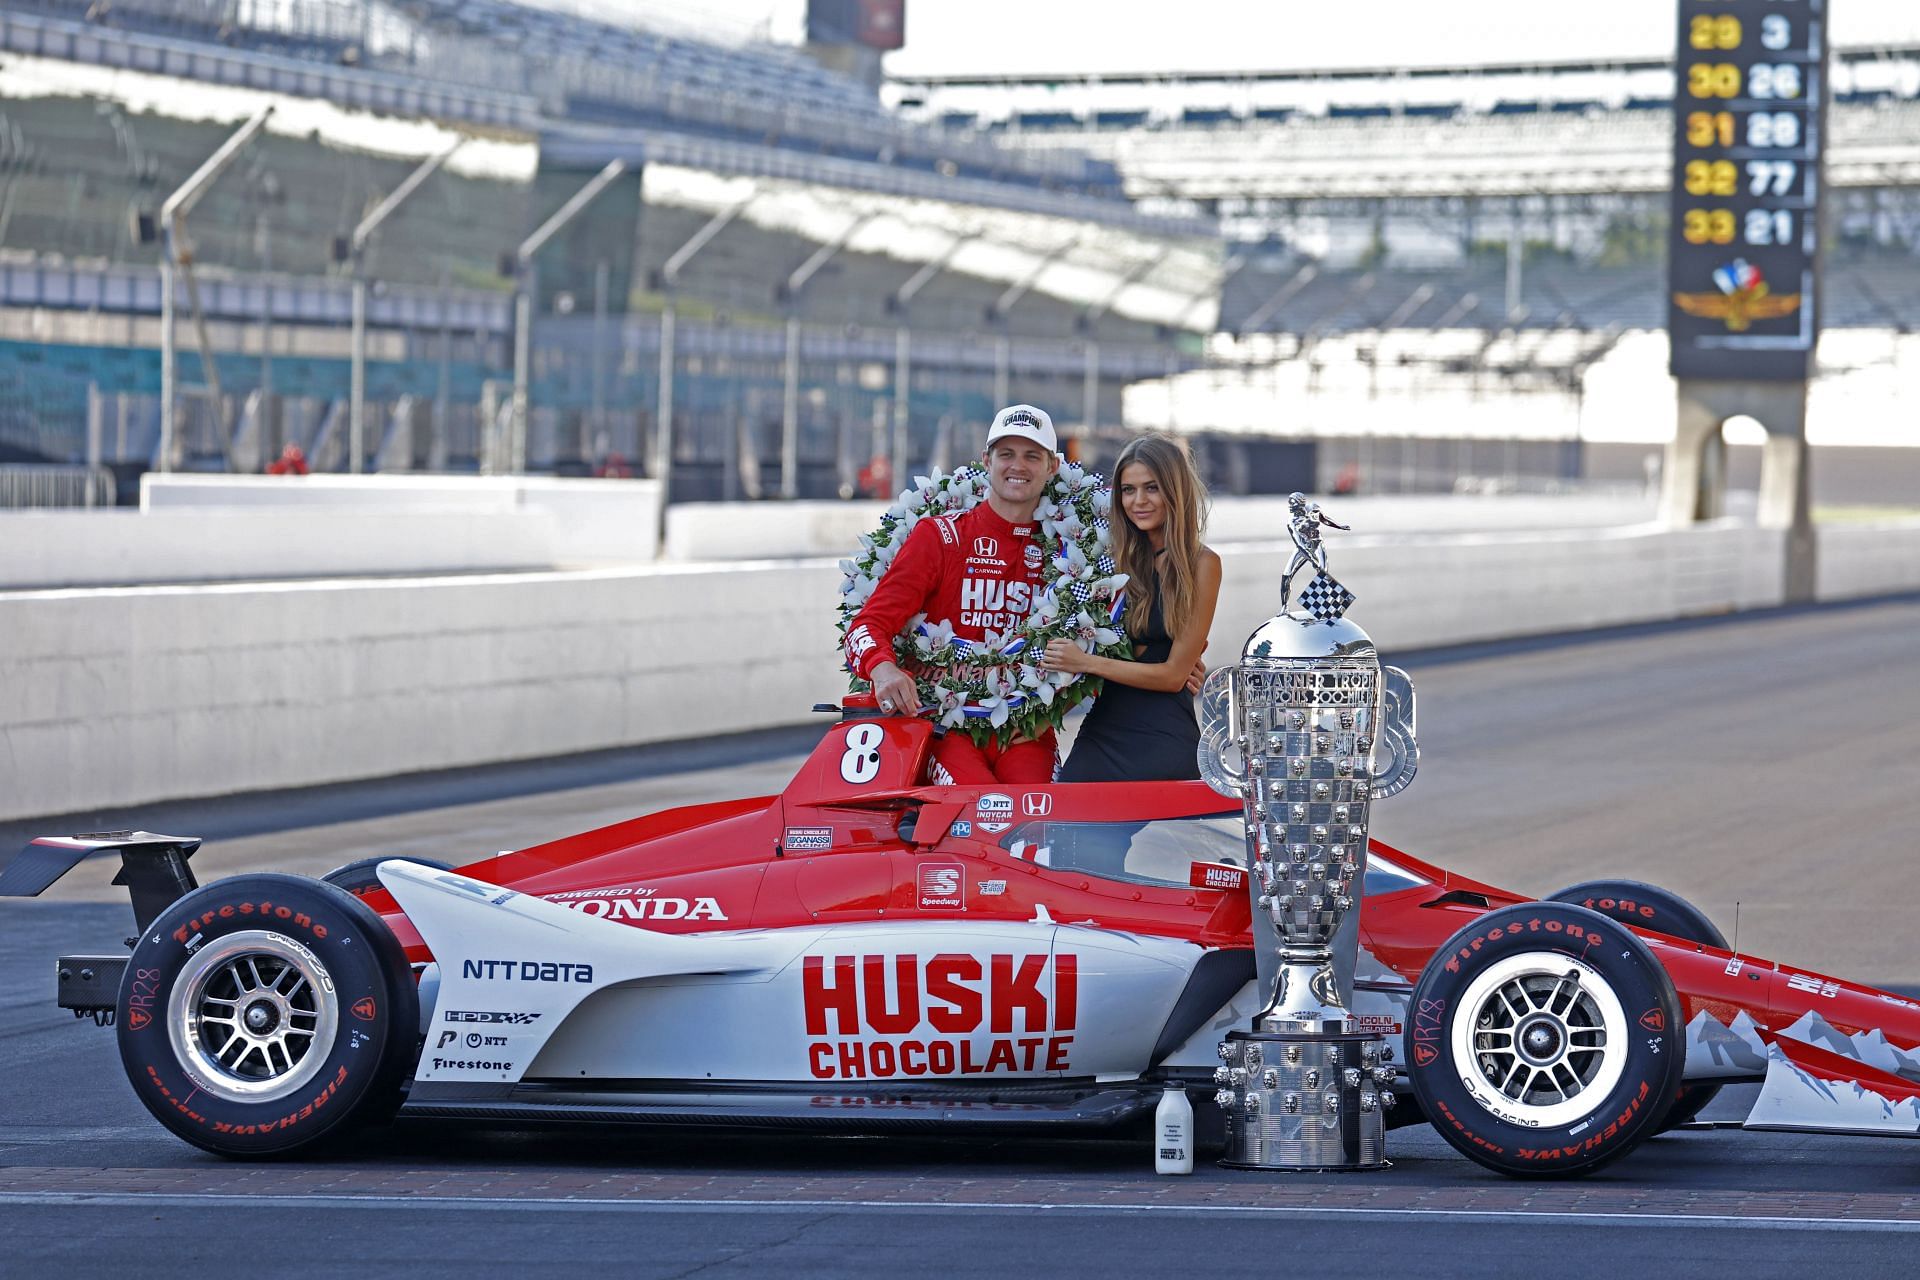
1615 1043
356 966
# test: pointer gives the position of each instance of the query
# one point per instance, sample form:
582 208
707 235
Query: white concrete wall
1421 593
234 528
1868 559
766 531
122 696
117 697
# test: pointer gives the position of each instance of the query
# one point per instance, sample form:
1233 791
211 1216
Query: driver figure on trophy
1307 730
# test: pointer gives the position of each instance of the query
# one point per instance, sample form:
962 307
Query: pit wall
217 528
220 528
115 697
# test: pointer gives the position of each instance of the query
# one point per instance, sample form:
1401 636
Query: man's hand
895 690
1196 677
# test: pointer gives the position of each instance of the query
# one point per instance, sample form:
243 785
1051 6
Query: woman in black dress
1142 725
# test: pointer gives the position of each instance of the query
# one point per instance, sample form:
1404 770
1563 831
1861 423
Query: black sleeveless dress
1138 735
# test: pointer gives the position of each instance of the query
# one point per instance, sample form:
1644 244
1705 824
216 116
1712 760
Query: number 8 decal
862 760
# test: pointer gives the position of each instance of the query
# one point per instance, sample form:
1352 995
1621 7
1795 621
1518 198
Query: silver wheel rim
252 1016
1540 1039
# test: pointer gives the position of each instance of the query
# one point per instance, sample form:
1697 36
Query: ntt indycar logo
953 1014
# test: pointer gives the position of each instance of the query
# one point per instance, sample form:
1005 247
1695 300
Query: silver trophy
1307 730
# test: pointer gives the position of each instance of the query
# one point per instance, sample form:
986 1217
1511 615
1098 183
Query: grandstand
1451 253
992 267
1462 251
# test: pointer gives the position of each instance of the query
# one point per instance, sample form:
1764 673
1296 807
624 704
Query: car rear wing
153 868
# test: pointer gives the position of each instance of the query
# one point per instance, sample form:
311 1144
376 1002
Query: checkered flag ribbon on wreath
1325 598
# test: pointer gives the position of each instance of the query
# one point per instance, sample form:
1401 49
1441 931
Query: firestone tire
1544 1041
262 1014
1648 906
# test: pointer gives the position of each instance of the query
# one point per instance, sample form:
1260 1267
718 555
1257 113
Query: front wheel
1544 1041
1648 906
263 1013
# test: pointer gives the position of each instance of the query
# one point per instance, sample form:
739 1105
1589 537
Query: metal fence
34 485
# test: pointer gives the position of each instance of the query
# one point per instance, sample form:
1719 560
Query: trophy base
1303 1102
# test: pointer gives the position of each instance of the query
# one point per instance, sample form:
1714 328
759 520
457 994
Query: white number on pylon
862 760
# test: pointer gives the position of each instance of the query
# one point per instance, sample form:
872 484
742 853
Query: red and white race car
866 951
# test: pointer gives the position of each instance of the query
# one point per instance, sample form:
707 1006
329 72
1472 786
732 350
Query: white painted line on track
604 1204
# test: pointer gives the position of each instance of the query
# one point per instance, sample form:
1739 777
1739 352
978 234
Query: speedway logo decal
807 839
638 903
876 1017
943 886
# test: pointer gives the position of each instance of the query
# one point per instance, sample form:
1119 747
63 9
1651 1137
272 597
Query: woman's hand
1065 655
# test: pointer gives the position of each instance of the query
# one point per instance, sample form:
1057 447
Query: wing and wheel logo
1743 296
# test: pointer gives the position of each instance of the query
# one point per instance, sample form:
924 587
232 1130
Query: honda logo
1036 804
986 547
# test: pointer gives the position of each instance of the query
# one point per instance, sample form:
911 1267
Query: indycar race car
866 951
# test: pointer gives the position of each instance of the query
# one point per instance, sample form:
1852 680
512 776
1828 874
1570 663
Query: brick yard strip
1218 1194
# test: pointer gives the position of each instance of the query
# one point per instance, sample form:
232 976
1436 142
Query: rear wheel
1648 906
1544 1041
264 1013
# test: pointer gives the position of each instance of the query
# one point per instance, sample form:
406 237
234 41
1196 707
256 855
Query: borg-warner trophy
1307 730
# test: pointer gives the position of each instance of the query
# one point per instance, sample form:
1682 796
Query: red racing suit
980 573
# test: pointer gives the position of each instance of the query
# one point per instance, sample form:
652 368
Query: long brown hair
1186 499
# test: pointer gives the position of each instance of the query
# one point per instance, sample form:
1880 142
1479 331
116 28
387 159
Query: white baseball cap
1026 421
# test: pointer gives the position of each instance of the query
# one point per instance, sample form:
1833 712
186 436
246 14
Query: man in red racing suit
979 571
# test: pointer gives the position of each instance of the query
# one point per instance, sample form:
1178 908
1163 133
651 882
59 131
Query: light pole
997 317
356 255
899 304
177 253
528 286
667 280
790 403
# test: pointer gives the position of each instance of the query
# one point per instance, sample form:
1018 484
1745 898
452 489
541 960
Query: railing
32 485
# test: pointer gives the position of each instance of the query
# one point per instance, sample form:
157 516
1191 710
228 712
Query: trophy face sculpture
1307 730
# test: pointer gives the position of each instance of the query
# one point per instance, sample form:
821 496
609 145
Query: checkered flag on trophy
1325 598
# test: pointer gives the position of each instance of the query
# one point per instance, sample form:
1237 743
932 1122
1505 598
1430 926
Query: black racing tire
1566 1001
358 879
1648 906
265 1013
